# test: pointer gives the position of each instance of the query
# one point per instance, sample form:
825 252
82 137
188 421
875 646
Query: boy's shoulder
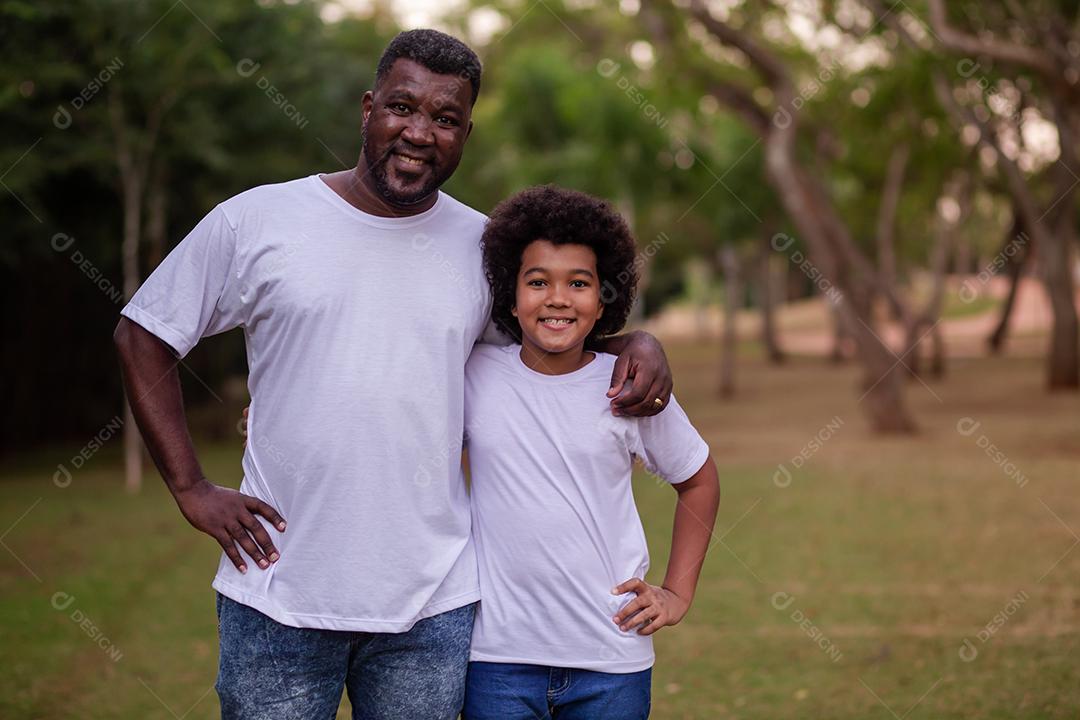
605 359
485 357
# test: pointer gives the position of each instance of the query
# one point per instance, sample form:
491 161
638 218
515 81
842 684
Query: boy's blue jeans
507 691
273 671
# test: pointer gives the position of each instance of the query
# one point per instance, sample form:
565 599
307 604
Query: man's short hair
437 51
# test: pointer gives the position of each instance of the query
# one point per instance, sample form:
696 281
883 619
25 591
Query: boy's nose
557 299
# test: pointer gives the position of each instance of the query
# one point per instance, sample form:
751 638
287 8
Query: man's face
415 126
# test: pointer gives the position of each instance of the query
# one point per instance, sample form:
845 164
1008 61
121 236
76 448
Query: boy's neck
549 363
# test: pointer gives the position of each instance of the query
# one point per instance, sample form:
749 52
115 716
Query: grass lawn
845 588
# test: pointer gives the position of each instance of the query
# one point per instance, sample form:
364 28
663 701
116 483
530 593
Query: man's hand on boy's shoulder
641 381
653 608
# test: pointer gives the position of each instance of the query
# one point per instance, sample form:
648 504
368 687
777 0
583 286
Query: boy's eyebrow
575 271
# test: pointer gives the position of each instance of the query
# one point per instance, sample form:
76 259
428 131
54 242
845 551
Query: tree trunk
156 218
766 300
806 200
729 261
937 360
928 321
882 399
1015 264
839 353
133 158
133 446
1063 360
886 222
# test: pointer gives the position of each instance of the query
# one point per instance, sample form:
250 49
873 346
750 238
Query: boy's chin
560 346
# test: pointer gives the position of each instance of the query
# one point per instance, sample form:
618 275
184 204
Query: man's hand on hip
228 516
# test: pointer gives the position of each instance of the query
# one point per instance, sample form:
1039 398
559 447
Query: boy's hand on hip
653 608
228 516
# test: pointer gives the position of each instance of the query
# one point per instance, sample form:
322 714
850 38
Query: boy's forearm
695 515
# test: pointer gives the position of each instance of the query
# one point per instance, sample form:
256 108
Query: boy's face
558 295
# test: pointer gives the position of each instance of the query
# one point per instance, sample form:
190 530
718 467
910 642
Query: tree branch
1008 52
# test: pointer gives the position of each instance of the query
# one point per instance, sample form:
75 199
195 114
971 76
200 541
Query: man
361 295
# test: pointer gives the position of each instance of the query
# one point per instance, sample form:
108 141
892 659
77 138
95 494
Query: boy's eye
535 283
579 283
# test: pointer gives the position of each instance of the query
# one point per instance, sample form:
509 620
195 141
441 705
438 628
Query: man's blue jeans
273 671
507 691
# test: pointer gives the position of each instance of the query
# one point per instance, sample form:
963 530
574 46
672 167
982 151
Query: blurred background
857 223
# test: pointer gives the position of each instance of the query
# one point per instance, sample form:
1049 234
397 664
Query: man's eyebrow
449 105
400 94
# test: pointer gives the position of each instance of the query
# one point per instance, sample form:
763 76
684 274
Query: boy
565 622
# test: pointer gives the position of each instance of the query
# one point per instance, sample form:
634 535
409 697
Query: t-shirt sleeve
195 291
669 445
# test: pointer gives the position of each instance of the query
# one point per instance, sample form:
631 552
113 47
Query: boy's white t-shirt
357 329
554 519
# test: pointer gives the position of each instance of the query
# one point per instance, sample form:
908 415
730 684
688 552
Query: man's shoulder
272 196
465 213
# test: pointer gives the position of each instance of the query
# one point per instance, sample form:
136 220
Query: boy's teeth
554 321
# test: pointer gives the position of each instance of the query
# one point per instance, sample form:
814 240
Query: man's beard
376 167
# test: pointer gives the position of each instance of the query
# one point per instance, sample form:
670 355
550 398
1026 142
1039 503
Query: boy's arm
667 604
641 360
152 384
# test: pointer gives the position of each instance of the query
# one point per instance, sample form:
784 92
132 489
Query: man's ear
468 130
366 104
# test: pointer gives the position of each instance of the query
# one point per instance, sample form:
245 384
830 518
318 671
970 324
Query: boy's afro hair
561 216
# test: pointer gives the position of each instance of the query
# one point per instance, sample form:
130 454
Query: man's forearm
152 384
615 344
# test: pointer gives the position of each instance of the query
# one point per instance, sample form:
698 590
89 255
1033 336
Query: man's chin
409 194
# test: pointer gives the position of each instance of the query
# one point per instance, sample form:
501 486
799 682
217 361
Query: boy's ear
601 313
513 311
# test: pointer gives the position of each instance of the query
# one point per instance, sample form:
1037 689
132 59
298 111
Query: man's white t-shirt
554 519
358 329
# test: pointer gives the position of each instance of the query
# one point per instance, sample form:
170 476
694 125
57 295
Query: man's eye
442 119
399 107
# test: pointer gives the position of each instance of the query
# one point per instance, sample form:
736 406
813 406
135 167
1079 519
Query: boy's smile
557 304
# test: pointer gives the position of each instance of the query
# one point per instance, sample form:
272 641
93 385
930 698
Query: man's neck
356 187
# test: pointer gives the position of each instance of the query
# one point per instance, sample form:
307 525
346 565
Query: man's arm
152 383
641 360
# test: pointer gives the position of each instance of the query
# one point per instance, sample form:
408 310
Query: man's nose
418 131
